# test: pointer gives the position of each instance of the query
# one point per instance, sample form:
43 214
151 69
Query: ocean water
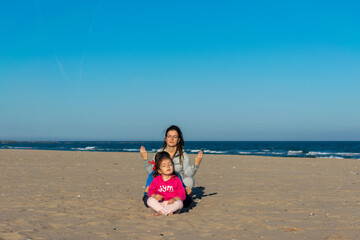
340 150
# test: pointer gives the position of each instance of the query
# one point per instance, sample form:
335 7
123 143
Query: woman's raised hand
198 158
143 153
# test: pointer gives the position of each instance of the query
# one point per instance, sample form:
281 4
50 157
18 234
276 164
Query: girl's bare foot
170 214
157 214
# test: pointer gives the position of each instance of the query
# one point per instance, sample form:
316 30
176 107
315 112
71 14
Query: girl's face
172 138
166 167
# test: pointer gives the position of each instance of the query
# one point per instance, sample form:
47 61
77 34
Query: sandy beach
97 195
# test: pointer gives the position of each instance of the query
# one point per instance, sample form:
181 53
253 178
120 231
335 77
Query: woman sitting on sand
174 144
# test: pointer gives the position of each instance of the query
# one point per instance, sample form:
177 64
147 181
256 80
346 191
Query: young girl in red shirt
166 192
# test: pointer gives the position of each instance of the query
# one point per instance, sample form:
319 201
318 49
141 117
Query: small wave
348 154
317 153
292 152
214 152
261 153
278 153
333 157
18 147
245 153
195 150
339 155
84 149
131 150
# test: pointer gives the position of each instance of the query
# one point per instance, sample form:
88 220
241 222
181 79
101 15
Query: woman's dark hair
180 145
159 157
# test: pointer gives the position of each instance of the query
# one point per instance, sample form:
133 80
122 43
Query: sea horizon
311 149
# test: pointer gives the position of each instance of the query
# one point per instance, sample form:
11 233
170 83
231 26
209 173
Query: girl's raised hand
198 158
143 153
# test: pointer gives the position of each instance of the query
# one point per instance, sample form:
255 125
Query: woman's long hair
181 143
159 157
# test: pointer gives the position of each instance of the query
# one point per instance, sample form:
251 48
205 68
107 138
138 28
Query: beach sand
97 195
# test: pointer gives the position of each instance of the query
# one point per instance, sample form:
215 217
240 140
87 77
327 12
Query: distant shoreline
301 149
138 141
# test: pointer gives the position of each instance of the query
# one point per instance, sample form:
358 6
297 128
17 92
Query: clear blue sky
221 70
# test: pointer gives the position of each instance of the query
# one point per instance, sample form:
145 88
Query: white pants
164 207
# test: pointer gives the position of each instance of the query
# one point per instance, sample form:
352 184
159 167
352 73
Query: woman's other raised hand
143 153
198 158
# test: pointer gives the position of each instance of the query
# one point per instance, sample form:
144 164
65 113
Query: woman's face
172 138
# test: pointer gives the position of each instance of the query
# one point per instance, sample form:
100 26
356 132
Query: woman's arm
148 182
144 156
189 170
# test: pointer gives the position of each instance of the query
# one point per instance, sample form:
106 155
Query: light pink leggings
163 206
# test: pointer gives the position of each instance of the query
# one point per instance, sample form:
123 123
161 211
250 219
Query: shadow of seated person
197 194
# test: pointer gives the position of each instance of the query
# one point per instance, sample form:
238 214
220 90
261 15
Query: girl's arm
152 191
152 188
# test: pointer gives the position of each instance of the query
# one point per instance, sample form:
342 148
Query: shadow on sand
197 194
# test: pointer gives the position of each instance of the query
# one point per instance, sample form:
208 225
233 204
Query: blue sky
221 70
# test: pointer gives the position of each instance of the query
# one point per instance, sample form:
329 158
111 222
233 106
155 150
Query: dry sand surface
95 195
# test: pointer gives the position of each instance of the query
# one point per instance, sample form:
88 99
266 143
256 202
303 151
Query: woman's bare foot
170 214
157 214
188 190
143 153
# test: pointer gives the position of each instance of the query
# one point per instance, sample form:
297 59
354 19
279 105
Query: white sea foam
215 152
260 153
131 149
195 150
19 147
291 152
277 153
334 157
84 149
245 153
331 154
348 154
317 153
